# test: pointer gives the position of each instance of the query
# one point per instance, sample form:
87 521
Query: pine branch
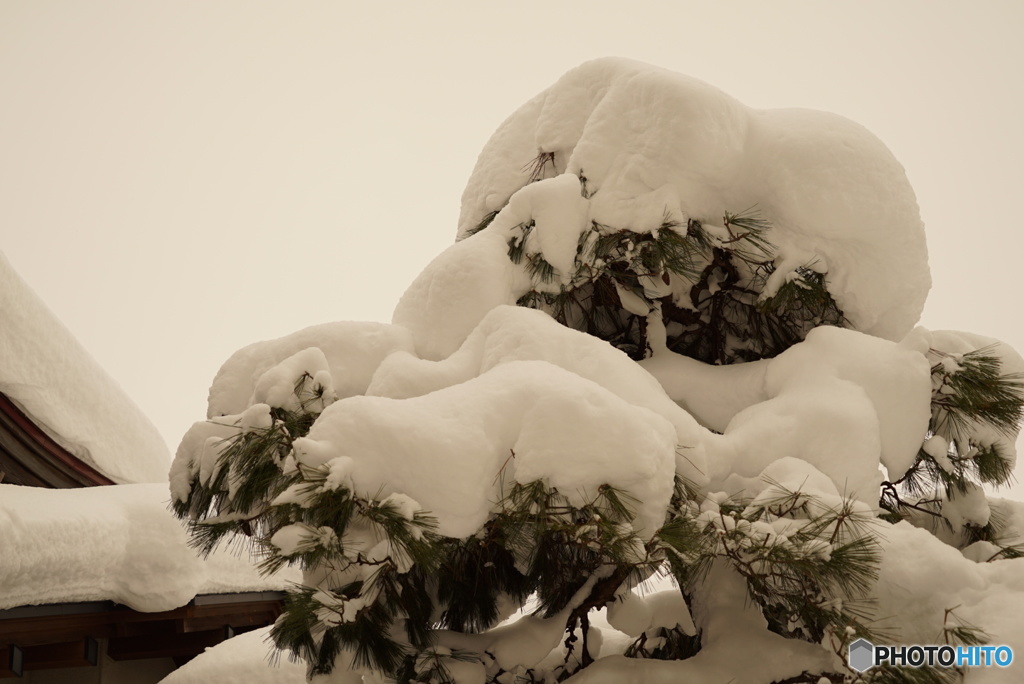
538 165
972 399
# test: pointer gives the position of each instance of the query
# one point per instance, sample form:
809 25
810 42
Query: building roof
112 564
85 567
28 456
51 380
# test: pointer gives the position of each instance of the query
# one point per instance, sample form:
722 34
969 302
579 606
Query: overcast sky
179 179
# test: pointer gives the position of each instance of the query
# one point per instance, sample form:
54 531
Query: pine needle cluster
540 546
383 587
664 643
809 565
382 583
976 411
247 476
374 555
707 285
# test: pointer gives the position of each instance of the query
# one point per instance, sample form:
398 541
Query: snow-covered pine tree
710 384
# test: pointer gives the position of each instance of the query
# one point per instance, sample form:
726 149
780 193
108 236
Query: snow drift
116 543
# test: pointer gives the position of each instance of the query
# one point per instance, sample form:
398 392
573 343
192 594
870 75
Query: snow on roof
54 380
118 543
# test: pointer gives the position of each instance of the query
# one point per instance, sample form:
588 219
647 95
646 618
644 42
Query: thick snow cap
110 544
653 144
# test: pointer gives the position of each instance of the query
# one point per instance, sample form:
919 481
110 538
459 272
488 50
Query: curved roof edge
28 456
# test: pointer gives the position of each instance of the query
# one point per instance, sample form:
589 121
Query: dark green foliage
813 582
561 544
707 287
517 243
366 636
972 399
472 576
958 632
726 317
252 457
975 390
390 586
538 166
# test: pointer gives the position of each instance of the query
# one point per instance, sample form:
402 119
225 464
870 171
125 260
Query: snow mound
115 543
55 382
511 333
920 578
350 351
656 145
633 614
841 401
453 450
244 659
731 627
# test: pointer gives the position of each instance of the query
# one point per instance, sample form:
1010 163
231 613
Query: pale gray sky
179 179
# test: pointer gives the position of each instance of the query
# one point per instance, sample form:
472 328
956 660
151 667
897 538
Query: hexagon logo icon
862 655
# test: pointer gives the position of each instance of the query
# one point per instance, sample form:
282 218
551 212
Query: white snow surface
244 659
510 333
733 631
634 613
453 450
47 373
654 144
920 577
842 401
456 291
351 351
117 543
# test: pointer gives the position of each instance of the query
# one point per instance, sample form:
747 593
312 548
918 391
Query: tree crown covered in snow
673 342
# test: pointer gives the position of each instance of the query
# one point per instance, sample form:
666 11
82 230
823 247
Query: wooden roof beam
81 653
15 661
